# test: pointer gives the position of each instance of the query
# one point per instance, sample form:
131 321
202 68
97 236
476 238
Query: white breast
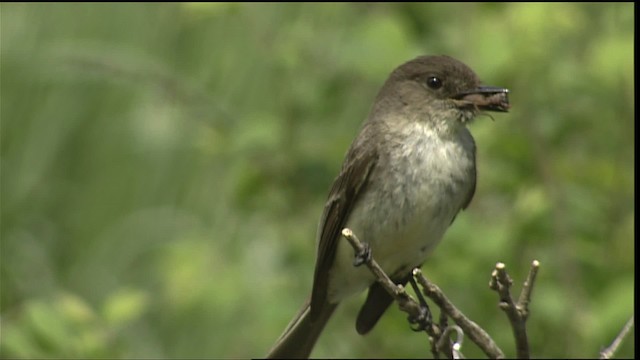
414 193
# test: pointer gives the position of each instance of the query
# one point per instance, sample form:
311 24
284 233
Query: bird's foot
363 256
423 321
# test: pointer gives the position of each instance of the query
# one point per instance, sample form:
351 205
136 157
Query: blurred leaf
124 306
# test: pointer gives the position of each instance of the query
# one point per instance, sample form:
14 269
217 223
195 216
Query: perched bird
406 176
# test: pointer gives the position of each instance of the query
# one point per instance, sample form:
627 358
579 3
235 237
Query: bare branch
438 335
611 350
517 313
527 289
470 328
406 303
393 289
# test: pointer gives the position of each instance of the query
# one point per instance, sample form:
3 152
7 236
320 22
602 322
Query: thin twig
411 306
393 289
517 313
406 303
611 350
470 328
527 289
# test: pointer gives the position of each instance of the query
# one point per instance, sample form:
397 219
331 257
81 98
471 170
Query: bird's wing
346 188
472 189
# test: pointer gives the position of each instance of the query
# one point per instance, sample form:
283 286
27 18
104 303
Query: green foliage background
164 167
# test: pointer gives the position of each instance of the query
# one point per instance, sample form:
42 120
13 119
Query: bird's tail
301 334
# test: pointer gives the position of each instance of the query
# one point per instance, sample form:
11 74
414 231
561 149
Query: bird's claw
422 321
363 256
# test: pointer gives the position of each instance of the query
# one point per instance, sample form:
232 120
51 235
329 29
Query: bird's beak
488 98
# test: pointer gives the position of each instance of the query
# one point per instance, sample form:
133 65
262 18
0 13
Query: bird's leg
424 320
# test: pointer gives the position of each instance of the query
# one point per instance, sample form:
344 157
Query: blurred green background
164 167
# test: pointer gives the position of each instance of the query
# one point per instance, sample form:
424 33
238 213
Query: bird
409 172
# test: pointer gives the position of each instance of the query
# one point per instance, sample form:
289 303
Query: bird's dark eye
434 82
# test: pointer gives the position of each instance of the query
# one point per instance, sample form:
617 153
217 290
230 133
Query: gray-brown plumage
406 176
